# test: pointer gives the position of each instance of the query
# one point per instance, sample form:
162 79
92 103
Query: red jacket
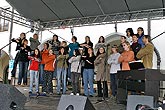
49 63
44 55
34 63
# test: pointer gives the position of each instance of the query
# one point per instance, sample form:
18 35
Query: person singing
101 73
88 73
146 53
127 56
62 70
114 67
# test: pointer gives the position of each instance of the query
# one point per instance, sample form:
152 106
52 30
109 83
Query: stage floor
51 102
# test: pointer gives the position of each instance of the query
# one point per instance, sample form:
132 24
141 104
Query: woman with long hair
62 70
34 68
100 43
44 54
48 72
88 73
101 74
129 34
23 62
75 62
55 46
87 44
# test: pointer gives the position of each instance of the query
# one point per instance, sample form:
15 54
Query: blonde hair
128 44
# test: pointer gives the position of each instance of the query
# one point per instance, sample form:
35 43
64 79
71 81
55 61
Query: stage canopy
64 13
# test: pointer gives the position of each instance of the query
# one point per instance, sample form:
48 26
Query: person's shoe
90 95
58 93
77 94
37 94
71 93
50 93
44 93
30 92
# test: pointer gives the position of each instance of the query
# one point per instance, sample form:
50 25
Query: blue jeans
34 76
41 73
23 68
55 70
61 75
88 77
69 71
113 84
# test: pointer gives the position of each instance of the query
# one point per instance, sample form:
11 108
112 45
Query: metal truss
143 15
10 16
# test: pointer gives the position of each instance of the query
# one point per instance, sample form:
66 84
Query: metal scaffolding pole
149 26
11 30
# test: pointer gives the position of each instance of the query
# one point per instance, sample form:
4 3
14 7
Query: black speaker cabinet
11 98
134 100
73 102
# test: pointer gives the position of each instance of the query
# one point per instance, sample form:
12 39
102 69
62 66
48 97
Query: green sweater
60 61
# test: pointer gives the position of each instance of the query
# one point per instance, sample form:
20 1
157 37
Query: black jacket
23 54
87 65
136 48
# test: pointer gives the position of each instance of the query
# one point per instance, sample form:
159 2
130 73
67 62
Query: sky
157 27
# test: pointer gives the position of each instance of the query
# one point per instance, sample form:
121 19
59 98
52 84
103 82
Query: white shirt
129 39
113 61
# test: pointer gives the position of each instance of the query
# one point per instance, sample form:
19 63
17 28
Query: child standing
34 67
62 70
48 73
114 67
75 71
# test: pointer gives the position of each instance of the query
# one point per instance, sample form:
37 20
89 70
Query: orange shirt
49 63
125 58
44 54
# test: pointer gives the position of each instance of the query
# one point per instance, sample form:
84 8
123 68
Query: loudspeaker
134 100
121 96
11 98
73 102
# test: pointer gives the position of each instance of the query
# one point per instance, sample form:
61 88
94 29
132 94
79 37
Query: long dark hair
47 44
77 52
75 38
100 38
98 52
39 54
60 51
23 41
56 37
92 51
130 30
88 38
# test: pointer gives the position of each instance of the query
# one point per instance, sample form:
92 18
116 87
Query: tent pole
149 26
11 30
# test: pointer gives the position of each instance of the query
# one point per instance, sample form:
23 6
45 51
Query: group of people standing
74 61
